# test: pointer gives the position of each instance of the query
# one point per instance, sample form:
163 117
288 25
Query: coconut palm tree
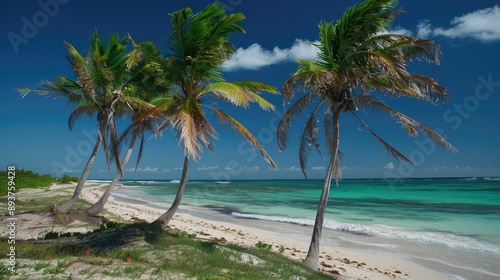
100 89
143 120
143 115
199 45
358 62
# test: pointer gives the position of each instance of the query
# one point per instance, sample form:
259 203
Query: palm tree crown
106 79
357 57
199 45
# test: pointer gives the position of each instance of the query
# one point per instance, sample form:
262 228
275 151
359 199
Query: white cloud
145 169
65 170
243 168
398 30
439 168
389 166
292 168
207 168
482 25
318 168
424 29
255 56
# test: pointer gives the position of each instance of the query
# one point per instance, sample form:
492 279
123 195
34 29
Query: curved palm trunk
313 253
86 171
164 219
99 205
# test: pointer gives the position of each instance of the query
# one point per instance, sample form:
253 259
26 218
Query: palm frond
192 128
408 123
308 139
392 151
199 43
82 110
240 93
337 171
309 76
246 134
287 118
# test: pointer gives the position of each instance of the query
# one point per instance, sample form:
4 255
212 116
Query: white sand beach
347 264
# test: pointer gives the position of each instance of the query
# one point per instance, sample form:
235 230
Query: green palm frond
111 82
199 43
327 56
357 54
240 93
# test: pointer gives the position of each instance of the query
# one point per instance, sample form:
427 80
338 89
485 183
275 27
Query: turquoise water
454 222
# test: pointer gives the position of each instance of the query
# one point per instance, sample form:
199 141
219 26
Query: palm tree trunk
86 171
164 219
99 205
312 258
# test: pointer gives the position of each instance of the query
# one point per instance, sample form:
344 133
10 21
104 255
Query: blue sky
34 132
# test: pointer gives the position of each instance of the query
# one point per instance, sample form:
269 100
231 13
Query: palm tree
143 120
199 45
102 76
356 58
144 115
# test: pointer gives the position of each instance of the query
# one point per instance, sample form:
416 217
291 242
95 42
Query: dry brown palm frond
290 114
408 123
429 87
307 140
194 131
337 171
392 151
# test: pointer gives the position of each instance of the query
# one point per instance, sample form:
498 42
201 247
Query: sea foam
449 240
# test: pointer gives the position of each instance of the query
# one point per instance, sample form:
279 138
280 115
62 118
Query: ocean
447 224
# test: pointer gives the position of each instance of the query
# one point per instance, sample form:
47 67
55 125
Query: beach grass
29 179
171 254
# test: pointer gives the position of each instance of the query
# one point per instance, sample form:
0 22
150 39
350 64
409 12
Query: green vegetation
170 254
263 245
29 179
66 179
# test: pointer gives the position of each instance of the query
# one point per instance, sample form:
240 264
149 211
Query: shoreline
210 225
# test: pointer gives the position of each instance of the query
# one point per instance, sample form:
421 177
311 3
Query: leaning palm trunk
86 171
313 253
99 205
164 219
